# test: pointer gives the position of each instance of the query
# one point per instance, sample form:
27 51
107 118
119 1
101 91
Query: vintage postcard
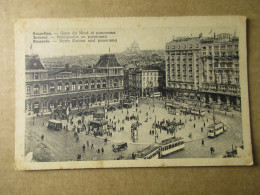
131 92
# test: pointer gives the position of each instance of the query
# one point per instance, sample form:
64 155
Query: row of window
189 46
80 86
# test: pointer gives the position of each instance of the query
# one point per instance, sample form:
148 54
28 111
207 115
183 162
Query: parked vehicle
120 147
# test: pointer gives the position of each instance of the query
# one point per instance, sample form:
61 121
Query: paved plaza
63 146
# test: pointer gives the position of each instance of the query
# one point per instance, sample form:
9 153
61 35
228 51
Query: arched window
86 85
92 84
36 90
67 86
52 88
73 86
98 84
80 86
59 87
104 83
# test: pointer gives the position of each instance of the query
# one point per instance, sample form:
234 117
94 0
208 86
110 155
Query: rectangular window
36 76
28 90
44 89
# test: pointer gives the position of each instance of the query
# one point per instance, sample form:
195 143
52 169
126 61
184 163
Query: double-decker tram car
216 129
170 145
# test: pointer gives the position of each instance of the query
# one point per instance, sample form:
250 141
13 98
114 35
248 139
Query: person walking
202 142
87 143
84 147
42 137
102 150
92 146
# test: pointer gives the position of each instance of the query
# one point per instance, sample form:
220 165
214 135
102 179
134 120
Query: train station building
101 85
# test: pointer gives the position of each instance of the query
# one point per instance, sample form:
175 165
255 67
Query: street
63 146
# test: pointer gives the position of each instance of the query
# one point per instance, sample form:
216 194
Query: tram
162 149
200 112
216 129
171 145
151 152
54 125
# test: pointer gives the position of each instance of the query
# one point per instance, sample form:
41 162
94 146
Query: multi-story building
204 68
146 81
103 85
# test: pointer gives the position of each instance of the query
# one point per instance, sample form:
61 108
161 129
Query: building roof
108 60
33 62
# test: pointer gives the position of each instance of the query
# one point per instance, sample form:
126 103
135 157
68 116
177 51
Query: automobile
80 113
111 109
127 105
120 107
120 146
87 113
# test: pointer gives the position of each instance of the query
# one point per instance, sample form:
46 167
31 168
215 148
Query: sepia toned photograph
131 92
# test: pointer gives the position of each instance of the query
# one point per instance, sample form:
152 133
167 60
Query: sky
148 38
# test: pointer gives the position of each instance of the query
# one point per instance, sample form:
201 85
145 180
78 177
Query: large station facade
45 91
204 68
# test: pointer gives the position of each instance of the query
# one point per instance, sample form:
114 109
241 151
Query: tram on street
166 147
54 125
196 111
171 145
216 129
150 152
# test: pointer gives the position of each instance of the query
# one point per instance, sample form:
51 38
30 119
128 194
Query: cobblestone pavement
62 145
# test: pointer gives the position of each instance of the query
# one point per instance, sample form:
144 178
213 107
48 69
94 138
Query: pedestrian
78 157
77 139
201 129
212 150
98 151
84 147
133 155
42 137
92 146
87 143
113 146
102 150
194 125
204 124
202 142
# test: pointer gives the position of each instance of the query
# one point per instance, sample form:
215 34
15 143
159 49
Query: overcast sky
150 38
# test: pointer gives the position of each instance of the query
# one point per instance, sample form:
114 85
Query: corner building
101 86
204 68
